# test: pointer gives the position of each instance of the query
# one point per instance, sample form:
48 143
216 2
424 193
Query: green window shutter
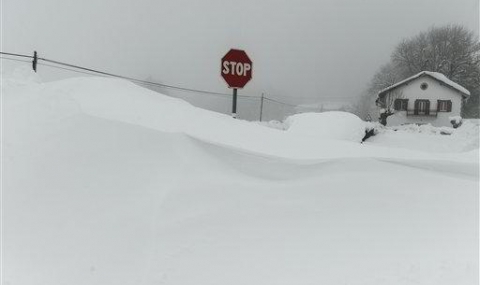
405 104
396 104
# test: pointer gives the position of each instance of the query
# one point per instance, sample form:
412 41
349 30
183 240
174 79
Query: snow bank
456 121
20 77
274 124
105 182
467 135
473 121
428 138
463 138
422 129
327 125
309 136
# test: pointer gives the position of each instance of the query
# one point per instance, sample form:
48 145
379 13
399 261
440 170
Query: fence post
35 60
261 106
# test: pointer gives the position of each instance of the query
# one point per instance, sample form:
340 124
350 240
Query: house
424 98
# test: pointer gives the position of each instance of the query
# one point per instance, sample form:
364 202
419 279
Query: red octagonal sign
236 68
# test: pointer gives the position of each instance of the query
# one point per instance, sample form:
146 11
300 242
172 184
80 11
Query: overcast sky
302 51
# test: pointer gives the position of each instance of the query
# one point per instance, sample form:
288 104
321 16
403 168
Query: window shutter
416 107
438 105
449 106
396 104
427 107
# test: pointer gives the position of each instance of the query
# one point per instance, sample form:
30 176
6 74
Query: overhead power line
76 68
16 54
279 102
14 59
65 68
137 80
90 71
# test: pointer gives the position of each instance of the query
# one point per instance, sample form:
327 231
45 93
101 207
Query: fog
302 51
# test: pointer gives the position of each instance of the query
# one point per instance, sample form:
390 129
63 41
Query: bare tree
452 50
387 103
365 106
386 76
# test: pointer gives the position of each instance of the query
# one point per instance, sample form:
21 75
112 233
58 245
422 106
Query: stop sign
236 68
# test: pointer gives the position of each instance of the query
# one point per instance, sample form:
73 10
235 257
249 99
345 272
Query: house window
444 106
422 107
424 86
400 104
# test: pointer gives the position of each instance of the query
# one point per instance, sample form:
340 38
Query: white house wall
435 91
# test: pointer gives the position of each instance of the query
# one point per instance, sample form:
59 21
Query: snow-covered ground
430 139
105 182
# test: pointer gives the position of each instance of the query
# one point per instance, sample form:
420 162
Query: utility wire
16 54
138 80
89 71
13 59
64 68
273 100
119 76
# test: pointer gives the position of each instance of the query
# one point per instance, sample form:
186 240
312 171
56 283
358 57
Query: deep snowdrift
430 139
123 101
108 183
327 125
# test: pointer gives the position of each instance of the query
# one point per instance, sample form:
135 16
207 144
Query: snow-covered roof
435 75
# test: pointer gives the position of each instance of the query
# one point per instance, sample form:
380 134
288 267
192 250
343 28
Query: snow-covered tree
365 106
452 50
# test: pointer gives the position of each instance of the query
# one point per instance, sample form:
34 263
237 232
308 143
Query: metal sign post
234 103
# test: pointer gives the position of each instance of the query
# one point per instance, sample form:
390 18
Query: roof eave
421 74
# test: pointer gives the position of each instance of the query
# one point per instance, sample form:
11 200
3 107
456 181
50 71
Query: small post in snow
261 106
35 60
